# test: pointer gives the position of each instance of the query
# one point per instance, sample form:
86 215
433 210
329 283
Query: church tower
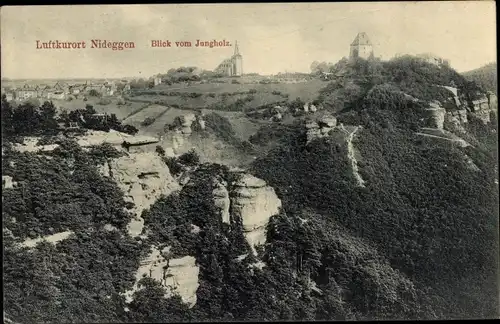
361 47
237 61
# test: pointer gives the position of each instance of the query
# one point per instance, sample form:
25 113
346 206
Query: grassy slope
306 90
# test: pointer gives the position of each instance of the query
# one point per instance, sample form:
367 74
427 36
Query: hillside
382 205
486 76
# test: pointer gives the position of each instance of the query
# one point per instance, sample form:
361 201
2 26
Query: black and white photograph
242 162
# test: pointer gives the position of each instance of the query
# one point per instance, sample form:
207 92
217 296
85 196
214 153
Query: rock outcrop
435 115
454 91
222 201
254 203
30 144
182 128
492 101
55 238
457 118
143 178
7 182
320 128
177 276
485 107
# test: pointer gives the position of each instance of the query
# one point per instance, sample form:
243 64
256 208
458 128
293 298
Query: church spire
236 49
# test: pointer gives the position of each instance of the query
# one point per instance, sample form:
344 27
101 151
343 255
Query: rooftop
361 39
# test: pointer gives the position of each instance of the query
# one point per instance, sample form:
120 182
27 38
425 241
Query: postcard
250 162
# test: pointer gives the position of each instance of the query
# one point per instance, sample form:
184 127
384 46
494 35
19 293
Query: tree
160 150
190 158
94 93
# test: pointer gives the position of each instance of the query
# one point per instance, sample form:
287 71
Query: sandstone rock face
178 276
454 91
222 201
492 101
176 139
7 182
143 178
55 238
436 115
30 145
462 114
254 203
481 104
320 128
182 278
458 118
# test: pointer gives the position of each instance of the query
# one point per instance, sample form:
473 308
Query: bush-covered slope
486 76
424 207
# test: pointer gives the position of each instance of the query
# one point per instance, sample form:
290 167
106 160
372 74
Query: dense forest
29 119
418 241
432 215
486 76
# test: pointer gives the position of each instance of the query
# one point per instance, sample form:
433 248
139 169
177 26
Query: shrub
190 158
173 165
148 121
104 101
160 150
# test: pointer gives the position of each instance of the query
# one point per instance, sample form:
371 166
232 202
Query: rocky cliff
174 141
178 276
221 200
435 115
143 177
253 202
320 128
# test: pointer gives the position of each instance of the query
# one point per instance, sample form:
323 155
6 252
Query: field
164 103
121 111
162 114
307 91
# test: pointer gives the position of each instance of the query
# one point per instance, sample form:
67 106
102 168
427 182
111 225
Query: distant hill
486 76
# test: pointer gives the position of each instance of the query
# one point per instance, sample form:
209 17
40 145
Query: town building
361 47
9 95
232 66
26 92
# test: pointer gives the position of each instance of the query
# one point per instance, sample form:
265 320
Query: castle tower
237 61
361 47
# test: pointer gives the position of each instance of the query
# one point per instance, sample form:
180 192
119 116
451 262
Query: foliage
160 150
223 129
174 166
410 75
89 118
148 121
190 158
485 76
423 207
28 119
94 93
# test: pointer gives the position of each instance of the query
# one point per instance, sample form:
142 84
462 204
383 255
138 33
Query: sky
272 37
